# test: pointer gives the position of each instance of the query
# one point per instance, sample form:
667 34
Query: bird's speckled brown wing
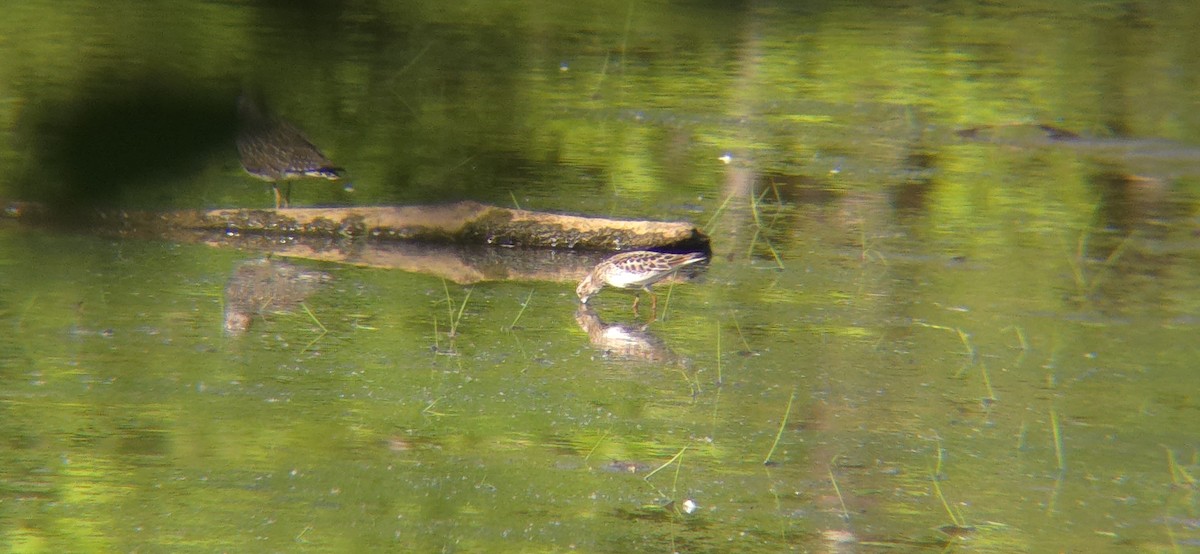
274 149
642 268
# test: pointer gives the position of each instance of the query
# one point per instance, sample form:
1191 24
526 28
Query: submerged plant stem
320 335
758 231
455 318
720 378
665 464
524 305
1058 446
1179 475
782 425
313 316
987 382
838 490
1020 336
595 446
955 519
708 225
741 336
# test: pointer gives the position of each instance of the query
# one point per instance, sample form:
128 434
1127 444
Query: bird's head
588 287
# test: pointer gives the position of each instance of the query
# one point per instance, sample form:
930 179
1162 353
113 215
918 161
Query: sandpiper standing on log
274 150
639 269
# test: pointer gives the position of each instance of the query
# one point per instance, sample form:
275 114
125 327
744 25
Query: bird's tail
331 173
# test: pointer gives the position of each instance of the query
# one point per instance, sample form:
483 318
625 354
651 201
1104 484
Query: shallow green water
915 329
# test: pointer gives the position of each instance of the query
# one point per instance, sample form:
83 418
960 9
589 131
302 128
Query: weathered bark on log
462 223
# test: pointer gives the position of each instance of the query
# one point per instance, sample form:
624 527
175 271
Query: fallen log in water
458 223
462 223
465 242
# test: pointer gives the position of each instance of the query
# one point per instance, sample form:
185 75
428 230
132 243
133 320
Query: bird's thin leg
636 298
653 306
275 187
287 195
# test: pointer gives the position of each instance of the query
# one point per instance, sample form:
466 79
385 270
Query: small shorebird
274 150
639 269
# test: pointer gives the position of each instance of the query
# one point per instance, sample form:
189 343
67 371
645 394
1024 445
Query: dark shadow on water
93 151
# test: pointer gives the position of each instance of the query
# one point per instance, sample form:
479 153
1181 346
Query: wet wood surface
459 223
464 242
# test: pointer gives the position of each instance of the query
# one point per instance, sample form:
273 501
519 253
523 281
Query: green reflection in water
938 305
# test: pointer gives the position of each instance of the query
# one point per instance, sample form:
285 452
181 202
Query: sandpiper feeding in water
639 269
274 150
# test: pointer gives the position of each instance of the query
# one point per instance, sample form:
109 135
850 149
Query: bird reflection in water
622 342
259 287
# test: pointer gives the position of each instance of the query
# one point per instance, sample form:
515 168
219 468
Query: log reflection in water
461 264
